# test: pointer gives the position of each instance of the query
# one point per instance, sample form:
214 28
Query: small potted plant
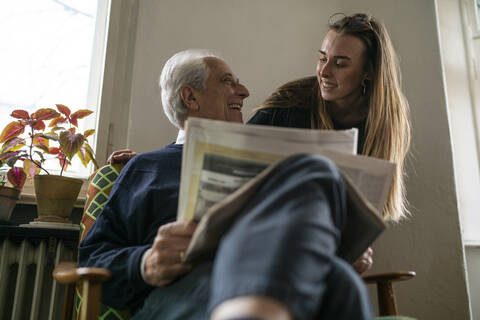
28 139
9 195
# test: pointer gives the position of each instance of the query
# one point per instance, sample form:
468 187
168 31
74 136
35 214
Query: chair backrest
99 188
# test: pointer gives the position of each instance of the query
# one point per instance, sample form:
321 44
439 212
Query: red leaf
20 114
79 115
12 130
40 139
8 155
56 121
63 109
17 177
13 144
45 114
54 150
38 125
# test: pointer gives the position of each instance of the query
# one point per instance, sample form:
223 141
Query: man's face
222 99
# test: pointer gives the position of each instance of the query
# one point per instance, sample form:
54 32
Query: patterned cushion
101 183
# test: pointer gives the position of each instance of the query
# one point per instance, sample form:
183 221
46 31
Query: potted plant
9 195
28 139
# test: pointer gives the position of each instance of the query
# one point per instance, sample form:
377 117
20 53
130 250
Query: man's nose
242 91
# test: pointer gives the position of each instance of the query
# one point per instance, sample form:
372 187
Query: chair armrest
387 305
67 272
91 280
388 277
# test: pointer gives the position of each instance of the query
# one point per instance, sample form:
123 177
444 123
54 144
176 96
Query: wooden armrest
91 278
67 272
387 305
389 276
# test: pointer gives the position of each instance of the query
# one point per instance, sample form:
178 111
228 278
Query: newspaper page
219 157
224 163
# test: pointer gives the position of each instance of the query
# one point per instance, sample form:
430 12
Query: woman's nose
325 71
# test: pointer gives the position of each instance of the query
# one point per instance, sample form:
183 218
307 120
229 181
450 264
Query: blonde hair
387 129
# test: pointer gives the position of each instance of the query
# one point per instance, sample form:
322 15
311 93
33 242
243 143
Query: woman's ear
188 96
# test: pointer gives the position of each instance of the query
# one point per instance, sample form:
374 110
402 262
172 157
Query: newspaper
224 163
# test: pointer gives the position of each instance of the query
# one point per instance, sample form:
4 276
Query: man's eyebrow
337 57
228 74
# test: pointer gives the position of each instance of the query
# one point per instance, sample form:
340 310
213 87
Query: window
47 50
471 37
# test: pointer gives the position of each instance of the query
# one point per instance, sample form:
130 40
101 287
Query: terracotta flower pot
8 200
56 195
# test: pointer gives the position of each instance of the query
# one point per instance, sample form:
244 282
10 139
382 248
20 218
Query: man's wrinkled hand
365 262
163 262
121 156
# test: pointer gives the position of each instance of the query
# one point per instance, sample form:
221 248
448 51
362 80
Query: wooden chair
90 279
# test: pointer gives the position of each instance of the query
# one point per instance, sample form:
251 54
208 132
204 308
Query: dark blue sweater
144 197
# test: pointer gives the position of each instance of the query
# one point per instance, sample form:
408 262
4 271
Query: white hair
185 68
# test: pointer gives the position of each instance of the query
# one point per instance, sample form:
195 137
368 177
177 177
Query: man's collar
180 137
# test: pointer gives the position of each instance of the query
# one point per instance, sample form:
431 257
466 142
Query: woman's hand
121 156
163 262
365 262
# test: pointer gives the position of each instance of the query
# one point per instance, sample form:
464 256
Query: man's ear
188 96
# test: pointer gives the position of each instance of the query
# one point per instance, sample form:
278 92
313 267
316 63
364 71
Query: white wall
269 42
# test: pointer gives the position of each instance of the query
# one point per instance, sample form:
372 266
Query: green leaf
49 136
11 161
89 150
40 154
30 168
71 143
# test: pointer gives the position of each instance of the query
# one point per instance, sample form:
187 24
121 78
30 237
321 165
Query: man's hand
163 262
365 262
121 156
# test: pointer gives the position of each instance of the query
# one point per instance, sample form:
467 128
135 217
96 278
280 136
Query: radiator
27 289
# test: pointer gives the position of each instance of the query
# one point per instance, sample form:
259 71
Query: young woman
357 85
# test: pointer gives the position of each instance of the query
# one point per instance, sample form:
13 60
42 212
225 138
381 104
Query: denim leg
284 243
346 296
184 299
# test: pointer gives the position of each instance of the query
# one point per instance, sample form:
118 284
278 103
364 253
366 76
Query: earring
364 87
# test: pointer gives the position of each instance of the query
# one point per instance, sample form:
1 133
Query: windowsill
28 194
472 243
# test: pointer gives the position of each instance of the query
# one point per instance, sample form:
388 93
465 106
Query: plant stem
30 151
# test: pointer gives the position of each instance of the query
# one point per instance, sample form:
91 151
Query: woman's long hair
387 130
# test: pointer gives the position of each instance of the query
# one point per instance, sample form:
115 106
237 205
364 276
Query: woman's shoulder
299 84
290 105
298 93
294 117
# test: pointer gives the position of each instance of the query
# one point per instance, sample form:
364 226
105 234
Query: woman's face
341 68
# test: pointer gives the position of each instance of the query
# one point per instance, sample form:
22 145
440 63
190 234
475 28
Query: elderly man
277 262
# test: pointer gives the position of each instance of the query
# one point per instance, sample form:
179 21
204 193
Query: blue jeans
283 247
